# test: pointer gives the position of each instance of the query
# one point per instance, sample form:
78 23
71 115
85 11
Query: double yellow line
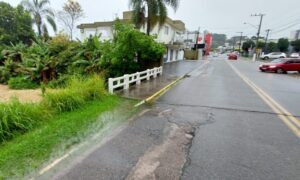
291 121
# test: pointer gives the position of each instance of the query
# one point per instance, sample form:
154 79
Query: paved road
217 124
171 71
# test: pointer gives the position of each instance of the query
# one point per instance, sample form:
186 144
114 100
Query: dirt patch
23 95
164 161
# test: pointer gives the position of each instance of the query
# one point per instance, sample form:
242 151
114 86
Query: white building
171 34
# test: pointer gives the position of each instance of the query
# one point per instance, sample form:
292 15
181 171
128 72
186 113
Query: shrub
16 117
77 91
63 100
21 82
61 82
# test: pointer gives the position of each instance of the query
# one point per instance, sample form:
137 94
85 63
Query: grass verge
28 152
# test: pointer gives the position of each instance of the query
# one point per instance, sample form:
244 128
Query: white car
273 55
295 55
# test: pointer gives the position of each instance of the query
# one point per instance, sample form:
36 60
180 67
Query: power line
283 29
287 24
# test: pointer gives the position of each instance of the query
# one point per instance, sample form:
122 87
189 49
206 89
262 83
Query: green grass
16 117
26 153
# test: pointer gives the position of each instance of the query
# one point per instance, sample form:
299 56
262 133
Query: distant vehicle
215 54
273 55
281 66
232 56
295 55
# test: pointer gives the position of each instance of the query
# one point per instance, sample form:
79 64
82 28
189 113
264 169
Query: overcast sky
217 16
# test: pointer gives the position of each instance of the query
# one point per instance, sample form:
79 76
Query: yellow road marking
292 122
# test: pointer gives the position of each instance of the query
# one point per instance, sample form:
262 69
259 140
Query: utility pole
197 37
266 40
241 37
259 28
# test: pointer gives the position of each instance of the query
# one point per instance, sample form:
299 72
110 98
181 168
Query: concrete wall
190 55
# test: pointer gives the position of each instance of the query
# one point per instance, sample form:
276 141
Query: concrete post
148 74
155 73
138 76
126 81
110 86
254 57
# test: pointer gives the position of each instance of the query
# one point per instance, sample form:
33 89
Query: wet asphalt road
236 134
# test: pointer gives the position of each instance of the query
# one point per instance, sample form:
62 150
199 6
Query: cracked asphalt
211 125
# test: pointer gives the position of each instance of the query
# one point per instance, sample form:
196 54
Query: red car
281 66
232 56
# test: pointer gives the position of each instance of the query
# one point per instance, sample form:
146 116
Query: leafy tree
283 44
272 47
71 14
15 25
41 14
156 11
247 45
260 45
296 45
218 40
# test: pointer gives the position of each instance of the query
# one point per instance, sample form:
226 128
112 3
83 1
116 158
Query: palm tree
40 12
156 11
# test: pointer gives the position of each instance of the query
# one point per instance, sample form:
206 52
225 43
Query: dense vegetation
16 117
15 25
54 59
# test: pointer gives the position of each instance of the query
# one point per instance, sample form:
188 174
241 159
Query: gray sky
217 16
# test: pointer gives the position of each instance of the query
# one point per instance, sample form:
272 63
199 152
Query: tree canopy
15 25
41 14
247 45
296 45
283 44
156 11
69 16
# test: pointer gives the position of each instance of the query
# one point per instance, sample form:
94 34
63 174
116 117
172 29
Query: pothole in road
166 160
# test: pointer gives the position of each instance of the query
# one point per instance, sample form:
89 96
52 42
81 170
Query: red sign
208 42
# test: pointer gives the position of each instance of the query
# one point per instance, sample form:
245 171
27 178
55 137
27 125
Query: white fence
128 79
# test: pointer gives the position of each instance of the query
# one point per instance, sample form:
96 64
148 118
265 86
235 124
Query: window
166 30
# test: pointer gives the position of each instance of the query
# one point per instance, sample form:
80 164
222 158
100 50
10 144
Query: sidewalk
171 71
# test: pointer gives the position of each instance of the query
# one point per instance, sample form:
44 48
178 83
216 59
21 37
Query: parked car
294 55
281 66
273 55
232 56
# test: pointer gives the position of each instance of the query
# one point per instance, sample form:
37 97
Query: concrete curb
160 92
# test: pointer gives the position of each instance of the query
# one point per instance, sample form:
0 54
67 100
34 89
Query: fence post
148 74
160 70
138 80
155 72
126 81
110 85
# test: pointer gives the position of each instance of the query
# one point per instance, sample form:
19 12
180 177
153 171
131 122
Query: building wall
106 33
165 34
